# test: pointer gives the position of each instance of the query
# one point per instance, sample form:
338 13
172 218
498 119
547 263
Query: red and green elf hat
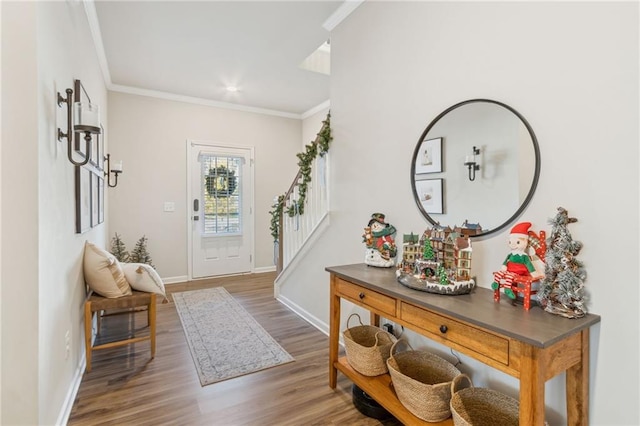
521 229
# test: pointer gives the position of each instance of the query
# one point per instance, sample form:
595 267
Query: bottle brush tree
140 254
562 289
118 249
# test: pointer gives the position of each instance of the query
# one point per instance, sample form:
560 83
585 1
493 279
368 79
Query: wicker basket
472 406
422 382
367 347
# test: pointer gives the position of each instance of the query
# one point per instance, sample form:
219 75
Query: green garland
317 148
275 217
221 182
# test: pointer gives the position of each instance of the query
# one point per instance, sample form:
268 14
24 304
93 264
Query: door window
221 193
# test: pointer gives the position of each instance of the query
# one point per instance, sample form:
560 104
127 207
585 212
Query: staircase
305 206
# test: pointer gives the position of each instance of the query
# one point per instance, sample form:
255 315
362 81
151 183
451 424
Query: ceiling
194 50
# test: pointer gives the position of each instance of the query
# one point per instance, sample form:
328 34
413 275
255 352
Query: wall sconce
470 162
116 170
86 117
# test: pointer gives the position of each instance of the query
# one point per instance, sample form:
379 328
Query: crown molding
199 101
341 13
96 35
317 108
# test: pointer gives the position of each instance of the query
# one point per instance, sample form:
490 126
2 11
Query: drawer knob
361 295
443 329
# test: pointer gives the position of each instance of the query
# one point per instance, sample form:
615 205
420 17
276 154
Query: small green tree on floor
118 249
562 289
140 253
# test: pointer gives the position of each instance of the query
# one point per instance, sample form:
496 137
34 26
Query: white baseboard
185 278
175 280
319 230
311 319
302 313
65 411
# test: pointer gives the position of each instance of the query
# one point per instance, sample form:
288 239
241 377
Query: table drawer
367 298
449 330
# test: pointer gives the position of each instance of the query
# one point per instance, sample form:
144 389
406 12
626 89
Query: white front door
220 202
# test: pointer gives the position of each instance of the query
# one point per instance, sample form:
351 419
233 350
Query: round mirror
475 167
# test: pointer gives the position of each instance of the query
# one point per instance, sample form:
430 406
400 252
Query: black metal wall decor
87 158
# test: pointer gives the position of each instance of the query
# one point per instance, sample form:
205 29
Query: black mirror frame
536 175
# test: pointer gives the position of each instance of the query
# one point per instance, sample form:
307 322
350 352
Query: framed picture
95 203
429 192
97 152
429 157
100 199
83 199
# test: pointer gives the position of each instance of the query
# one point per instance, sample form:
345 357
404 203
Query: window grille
221 194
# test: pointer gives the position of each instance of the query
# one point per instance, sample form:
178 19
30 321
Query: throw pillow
103 273
143 277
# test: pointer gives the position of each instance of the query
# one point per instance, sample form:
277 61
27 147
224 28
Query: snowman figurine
379 239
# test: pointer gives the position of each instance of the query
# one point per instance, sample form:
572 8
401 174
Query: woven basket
472 406
422 382
367 348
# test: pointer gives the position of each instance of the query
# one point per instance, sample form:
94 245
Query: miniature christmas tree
118 249
427 251
140 253
442 276
562 290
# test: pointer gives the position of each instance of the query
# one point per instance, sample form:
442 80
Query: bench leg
152 324
87 334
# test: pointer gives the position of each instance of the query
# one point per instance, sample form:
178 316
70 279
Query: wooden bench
99 304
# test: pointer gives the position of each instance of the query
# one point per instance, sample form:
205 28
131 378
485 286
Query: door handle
196 208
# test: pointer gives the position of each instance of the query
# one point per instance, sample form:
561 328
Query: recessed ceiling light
232 89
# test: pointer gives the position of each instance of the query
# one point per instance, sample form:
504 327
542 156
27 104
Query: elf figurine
517 263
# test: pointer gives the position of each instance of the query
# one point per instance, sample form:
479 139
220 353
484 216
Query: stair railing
302 208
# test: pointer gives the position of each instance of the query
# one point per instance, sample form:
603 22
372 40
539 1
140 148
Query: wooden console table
532 346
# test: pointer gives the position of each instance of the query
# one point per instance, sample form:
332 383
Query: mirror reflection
476 164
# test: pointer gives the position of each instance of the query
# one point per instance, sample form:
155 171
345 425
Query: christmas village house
438 248
410 248
469 229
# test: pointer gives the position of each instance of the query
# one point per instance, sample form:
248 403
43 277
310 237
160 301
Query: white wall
311 126
19 272
65 52
149 135
571 69
45 46
1 229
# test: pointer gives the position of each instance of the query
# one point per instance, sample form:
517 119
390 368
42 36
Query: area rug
225 340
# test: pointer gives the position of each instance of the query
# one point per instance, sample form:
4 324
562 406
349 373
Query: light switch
169 206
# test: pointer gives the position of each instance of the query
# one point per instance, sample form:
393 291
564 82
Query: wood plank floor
125 387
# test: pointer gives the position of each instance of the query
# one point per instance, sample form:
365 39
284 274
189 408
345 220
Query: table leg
577 380
532 379
374 319
334 333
